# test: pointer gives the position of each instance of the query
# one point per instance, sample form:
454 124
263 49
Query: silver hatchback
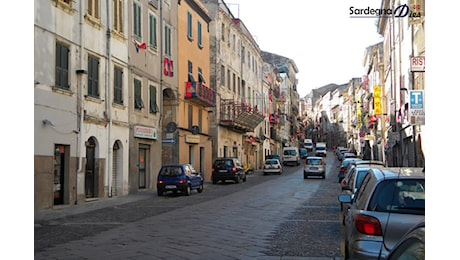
386 205
314 166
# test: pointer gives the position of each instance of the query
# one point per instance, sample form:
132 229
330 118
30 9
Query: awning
250 120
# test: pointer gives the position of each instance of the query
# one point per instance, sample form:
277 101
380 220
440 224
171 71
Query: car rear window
406 196
171 171
271 162
314 161
320 148
289 152
223 164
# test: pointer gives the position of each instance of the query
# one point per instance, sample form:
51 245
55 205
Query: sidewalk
90 205
98 203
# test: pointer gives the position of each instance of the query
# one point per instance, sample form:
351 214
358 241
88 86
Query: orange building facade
196 97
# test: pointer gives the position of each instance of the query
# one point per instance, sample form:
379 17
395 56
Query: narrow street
267 217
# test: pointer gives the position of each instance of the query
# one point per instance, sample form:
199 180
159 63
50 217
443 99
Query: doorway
143 162
90 172
60 167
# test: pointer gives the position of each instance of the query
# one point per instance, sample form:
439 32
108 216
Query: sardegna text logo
399 12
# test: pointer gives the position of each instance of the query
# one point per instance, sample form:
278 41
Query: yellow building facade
195 95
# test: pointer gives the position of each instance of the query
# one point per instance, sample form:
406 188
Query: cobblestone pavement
249 223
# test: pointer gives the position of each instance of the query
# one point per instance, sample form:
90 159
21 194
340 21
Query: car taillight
212 170
279 166
368 225
322 162
160 182
234 169
265 166
182 181
342 169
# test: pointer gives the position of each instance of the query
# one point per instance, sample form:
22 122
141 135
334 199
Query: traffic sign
168 141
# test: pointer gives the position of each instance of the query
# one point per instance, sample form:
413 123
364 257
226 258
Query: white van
291 155
321 149
308 144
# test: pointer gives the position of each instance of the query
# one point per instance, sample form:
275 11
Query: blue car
179 178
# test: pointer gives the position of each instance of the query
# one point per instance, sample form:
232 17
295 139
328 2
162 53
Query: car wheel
160 193
237 179
305 176
200 189
324 176
265 173
188 190
244 179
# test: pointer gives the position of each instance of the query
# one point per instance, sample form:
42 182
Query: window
228 79
190 72
200 75
62 66
167 40
118 16
93 76
222 75
152 31
138 104
223 32
234 83
189 25
93 9
137 20
200 120
118 85
190 116
153 100
200 39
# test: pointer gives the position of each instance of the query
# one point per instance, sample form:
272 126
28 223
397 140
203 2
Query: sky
325 43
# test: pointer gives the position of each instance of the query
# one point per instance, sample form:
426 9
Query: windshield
406 196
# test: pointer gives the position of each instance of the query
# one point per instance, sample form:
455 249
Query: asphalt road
267 217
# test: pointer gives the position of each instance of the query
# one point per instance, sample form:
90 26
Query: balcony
239 117
199 94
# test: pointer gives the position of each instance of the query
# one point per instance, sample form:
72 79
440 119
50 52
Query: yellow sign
377 103
192 139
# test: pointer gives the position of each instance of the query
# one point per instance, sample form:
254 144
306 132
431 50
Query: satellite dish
171 127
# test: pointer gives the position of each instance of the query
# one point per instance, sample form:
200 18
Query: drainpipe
108 101
80 110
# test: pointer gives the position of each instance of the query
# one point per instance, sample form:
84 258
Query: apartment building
81 122
196 91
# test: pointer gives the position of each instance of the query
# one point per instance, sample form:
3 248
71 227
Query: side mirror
345 198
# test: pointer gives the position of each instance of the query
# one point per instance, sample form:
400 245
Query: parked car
272 166
387 204
353 178
303 153
411 245
314 166
344 166
348 155
291 155
321 149
339 151
179 177
224 169
348 180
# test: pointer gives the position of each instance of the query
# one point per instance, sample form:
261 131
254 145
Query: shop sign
145 132
417 64
416 107
193 139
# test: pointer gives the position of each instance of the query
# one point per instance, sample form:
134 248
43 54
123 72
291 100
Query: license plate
314 168
222 171
170 186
